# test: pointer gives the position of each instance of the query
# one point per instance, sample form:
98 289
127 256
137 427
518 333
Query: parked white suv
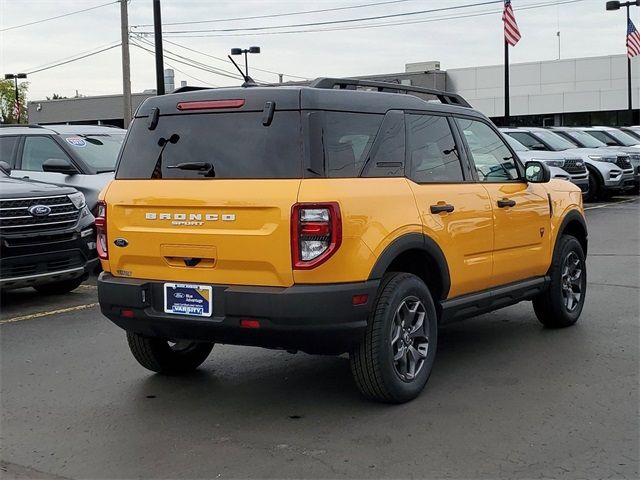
590 138
610 170
570 168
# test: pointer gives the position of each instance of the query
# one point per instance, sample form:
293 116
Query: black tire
553 308
170 358
59 288
594 187
374 369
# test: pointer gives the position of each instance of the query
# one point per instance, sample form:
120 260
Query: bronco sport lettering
361 217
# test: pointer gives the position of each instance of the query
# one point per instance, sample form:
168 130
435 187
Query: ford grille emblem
39 210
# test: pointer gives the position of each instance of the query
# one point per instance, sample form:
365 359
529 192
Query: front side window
494 161
433 155
38 150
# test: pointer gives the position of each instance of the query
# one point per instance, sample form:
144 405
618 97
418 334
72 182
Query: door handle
442 208
505 202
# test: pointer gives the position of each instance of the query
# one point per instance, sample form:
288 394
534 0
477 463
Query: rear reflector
127 313
249 323
210 104
359 299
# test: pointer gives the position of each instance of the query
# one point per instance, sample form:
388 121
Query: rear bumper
312 318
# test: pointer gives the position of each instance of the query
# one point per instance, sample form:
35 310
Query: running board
478 303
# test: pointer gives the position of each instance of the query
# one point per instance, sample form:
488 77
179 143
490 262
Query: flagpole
507 121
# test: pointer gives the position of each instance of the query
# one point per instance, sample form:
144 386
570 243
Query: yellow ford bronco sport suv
343 216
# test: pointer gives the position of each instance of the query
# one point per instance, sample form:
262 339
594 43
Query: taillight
316 233
101 230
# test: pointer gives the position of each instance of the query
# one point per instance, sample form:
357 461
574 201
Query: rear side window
38 150
7 147
347 139
220 145
433 155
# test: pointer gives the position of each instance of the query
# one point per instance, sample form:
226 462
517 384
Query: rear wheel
167 356
58 288
561 305
394 360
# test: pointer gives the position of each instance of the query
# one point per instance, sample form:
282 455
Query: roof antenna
248 81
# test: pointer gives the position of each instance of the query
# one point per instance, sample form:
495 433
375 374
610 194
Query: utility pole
157 31
126 64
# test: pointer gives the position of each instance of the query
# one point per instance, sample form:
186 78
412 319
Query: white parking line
611 204
50 312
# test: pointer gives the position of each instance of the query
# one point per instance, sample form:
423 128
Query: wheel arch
420 255
575 225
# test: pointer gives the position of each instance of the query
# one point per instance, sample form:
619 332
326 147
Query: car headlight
552 163
77 199
602 158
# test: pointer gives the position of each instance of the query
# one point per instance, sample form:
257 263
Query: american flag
633 40
511 32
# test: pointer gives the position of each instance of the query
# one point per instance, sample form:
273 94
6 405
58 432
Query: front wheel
561 305
394 360
166 356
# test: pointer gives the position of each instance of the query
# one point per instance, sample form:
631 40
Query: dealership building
577 91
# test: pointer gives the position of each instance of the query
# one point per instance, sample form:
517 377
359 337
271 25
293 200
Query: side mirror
537 172
538 147
5 167
59 165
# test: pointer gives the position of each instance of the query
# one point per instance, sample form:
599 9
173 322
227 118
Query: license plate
187 299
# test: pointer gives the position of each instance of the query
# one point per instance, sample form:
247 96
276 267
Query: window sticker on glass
76 141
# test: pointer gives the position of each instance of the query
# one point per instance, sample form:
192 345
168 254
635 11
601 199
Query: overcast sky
586 30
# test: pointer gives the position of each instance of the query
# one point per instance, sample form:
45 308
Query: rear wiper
203 167
162 142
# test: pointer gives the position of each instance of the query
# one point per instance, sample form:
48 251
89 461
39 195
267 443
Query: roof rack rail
23 125
345 84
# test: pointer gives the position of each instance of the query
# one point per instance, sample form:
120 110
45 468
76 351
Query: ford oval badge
120 242
39 210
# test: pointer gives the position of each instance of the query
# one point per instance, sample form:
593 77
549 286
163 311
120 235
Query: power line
333 22
181 71
227 61
378 25
31 72
191 62
57 16
274 15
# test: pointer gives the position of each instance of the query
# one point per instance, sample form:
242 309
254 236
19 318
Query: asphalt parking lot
507 398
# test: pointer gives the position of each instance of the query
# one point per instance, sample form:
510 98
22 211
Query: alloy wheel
409 338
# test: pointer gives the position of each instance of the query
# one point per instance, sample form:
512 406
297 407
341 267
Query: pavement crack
615 285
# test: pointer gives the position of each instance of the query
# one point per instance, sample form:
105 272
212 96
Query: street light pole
15 77
615 5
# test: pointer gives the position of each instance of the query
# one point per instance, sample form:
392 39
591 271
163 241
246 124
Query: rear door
521 215
455 211
206 198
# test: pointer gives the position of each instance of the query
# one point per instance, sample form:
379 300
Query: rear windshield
99 151
218 145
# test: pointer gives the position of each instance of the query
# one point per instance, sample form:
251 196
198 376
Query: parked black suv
47 235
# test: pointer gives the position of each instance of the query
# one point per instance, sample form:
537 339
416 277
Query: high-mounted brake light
316 233
210 104
101 231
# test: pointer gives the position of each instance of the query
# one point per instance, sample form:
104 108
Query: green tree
8 101
56 97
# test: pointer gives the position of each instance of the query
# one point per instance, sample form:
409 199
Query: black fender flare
414 241
572 216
